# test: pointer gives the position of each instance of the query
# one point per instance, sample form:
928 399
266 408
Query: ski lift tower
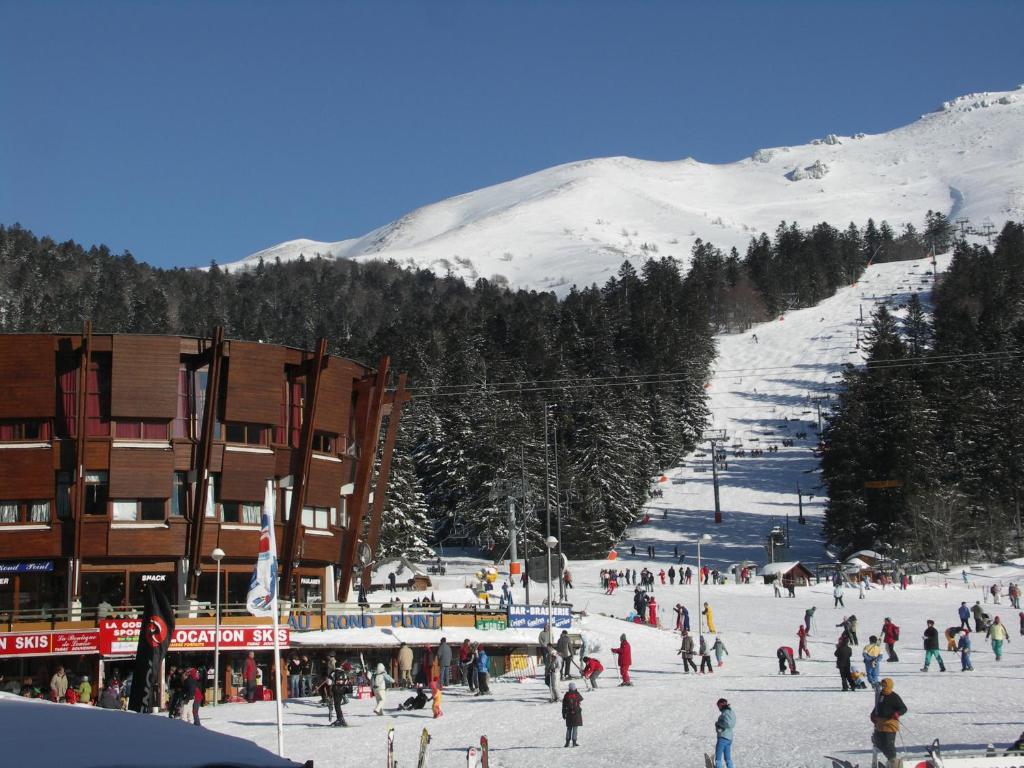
509 489
715 437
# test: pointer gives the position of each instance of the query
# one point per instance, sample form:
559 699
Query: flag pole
277 681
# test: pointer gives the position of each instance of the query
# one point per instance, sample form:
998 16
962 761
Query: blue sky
192 131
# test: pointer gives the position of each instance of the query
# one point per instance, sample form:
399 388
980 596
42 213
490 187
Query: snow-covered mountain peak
576 223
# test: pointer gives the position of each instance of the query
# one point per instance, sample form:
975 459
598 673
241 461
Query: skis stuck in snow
484 753
421 762
391 748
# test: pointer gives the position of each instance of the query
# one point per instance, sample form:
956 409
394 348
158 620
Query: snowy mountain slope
575 223
765 388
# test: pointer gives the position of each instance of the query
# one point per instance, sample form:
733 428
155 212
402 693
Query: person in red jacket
249 675
890 634
802 648
592 669
652 612
625 656
785 656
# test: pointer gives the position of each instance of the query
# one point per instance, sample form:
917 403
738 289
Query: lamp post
217 555
551 542
700 606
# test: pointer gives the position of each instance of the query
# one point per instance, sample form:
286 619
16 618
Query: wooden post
84 361
370 407
300 470
379 492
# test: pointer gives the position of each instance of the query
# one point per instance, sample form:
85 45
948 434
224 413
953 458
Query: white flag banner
262 597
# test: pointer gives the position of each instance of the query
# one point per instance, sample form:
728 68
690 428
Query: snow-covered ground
576 223
666 718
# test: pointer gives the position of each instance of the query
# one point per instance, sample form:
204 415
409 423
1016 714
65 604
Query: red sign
121 637
49 643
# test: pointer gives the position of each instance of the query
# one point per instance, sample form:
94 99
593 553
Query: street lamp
217 555
551 542
700 606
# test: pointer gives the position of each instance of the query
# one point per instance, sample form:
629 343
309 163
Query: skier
592 669
679 616
873 661
964 646
709 618
416 701
843 655
379 682
705 657
802 648
808 616
572 713
564 647
724 727
785 656
551 667
951 635
340 688
931 647
979 616
964 613
652 612
625 656
632 550
890 634
689 574
672 575
998 635
837 596
435 699
686 651
719 648
886 717
482 671
661 575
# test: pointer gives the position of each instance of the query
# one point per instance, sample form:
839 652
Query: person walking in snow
963 645
686 651
890 634
886 715
837 596
725 725
979 616
552 663
801 634
705 657
624 653
931 647
482 671
785 656
379 683
672 575
965 614
709 618
564 646
719 648
592 669
998 635
872 657
808 616
572 713
661 575
844 654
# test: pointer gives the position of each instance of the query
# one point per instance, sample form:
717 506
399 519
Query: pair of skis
478 757
421 762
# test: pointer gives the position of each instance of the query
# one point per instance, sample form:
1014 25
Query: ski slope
576 223
760 393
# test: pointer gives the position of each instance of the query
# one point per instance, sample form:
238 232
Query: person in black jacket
341 687
886 718
931 647
572 713
843 655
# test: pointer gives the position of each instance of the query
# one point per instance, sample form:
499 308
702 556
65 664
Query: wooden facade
126 459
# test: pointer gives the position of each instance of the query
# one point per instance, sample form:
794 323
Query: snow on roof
855 562
866 553
773 569
386 636
92 737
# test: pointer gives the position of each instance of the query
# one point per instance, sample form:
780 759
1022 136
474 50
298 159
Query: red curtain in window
154 430
67 413
181 417
97 409
8 432
130 430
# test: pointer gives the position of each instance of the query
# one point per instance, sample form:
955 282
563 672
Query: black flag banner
154 637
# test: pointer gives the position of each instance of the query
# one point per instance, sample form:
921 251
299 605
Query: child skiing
719 648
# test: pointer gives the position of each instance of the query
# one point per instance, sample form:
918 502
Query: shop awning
387 637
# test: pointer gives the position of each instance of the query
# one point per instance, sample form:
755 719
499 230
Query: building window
97 407
21 512
246 434
324 442
141 429
343 513
67 403
200 380
212 493
179 495
133 510
182 422
24 431
96 493
244 512
103 589
318 517
63 495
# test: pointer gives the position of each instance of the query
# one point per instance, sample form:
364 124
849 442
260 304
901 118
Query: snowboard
484 753
424 741
391 748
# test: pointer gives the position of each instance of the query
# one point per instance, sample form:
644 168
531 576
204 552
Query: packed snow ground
666 718
576 223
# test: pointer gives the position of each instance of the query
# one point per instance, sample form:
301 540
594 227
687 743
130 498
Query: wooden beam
380 491
202 461
84 361
369 408
300 469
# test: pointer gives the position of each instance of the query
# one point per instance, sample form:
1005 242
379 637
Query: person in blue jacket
481 671
965 614
724 726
